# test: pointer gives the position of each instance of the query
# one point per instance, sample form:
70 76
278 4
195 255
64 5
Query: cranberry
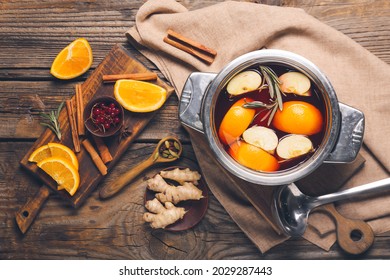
96 111
100 119
105 115
116 111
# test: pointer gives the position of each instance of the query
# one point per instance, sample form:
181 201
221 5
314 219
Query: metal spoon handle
370 188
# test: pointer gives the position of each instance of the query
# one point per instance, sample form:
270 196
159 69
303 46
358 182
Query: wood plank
42 29
362 21
35 42
34 73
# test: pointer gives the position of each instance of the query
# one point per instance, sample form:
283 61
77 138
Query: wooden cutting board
118 61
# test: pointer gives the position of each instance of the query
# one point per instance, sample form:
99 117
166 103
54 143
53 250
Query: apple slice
295 82
244 82
261 137
294 145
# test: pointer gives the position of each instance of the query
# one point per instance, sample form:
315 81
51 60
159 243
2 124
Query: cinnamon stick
191 42
102 149
80 110
190 46
72 124
133 76
95 157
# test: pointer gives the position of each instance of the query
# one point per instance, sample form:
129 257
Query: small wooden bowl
92 127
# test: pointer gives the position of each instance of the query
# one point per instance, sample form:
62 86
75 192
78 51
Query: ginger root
162 211
187 191
157 184
163 216
166 192
181 175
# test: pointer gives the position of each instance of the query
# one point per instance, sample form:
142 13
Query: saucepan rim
278 57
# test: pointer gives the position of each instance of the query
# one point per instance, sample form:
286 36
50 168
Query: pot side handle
191 99
350 139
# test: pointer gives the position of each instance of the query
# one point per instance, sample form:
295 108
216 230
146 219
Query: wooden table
31 34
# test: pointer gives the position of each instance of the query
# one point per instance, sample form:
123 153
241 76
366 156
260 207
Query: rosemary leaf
271 116
272 82
269 82
59 109
51 121
266 116
47 125
272 74
267 78
45 116
256 104
279 97
52 115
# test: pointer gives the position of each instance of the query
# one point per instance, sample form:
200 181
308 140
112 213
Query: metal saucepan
343 130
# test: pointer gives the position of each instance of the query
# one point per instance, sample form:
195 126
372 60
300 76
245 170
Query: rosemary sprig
51 120
275 93
273 84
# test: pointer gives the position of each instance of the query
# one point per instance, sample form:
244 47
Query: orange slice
40 154
138 96
73 61
59 150
54 149
63 172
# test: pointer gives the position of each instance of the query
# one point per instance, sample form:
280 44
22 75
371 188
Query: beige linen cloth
360 79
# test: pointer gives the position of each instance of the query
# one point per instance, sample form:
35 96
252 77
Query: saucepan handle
350 137
191 99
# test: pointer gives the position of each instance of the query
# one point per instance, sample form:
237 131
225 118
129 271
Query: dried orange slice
138 96
63 172
73 61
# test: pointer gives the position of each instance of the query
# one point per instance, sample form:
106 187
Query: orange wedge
138 96
73 61
63 172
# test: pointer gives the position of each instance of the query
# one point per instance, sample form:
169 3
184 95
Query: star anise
124 133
